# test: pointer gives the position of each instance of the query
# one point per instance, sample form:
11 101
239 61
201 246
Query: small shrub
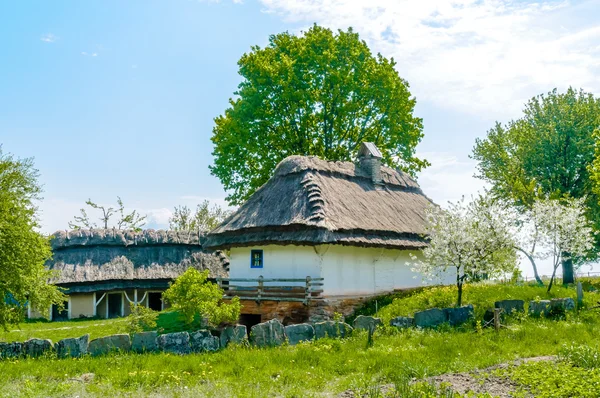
141 319
192 294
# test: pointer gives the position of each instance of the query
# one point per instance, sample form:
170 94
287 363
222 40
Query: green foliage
192 294
481 295
141 319
204 219
372 306
124 220
574 376
322 94
172 322
594 167
582 356
23 250
546 154
326 367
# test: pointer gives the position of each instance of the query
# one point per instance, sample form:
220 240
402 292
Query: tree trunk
552 278
568 271
459 284
535 271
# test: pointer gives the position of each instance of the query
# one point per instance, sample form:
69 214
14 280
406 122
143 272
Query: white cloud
86 54
48 38
470 55
157 218
448 178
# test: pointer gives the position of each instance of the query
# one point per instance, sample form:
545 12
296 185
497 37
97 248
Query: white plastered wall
347 270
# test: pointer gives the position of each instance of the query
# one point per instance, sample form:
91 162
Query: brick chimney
369 159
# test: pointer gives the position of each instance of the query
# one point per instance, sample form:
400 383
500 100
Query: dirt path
478 381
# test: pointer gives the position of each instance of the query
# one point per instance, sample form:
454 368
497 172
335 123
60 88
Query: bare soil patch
478 381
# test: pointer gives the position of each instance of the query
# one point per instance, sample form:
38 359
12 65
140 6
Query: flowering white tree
472 238
564 231
525 228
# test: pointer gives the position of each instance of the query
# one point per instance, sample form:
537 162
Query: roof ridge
315 198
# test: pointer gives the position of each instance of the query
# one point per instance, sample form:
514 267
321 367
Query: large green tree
23 250
546 154
321 93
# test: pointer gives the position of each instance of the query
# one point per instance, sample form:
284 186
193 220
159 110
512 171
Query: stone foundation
290 313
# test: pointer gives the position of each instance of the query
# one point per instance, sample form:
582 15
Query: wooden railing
278 289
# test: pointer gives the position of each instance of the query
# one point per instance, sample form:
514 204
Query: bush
193 295
141 319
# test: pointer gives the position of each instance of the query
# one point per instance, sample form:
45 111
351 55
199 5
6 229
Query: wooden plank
303 280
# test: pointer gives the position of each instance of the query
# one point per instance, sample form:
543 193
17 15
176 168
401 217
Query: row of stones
457 316
271 333
180 343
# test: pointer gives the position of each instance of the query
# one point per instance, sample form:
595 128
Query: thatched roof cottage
353 224
103 270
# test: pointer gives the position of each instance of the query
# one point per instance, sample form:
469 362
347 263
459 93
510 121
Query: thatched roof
84 256
310 201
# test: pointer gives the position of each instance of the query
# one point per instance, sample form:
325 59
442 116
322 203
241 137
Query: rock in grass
34 348
75 347
203 341
510 307
366 322
175 343
267 334
332 329
233 334
104 345
11 350
402 322
562 304
430 318
300 332
144 342
539 308
460 315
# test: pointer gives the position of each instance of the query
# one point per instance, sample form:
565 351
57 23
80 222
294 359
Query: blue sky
118 97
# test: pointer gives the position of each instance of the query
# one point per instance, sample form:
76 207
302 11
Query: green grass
60 330
482 296
576 374
322 368
305 370
167 322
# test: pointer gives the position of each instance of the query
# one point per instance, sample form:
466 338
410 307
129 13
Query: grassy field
323 368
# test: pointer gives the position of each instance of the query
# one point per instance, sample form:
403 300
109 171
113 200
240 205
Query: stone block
34 348
300 332
460 315
175 343
332 329
104 345
430 318
539 308
75 347
144 342
203 341
11 350
233 334
510 307
366 322
402 322
268 334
